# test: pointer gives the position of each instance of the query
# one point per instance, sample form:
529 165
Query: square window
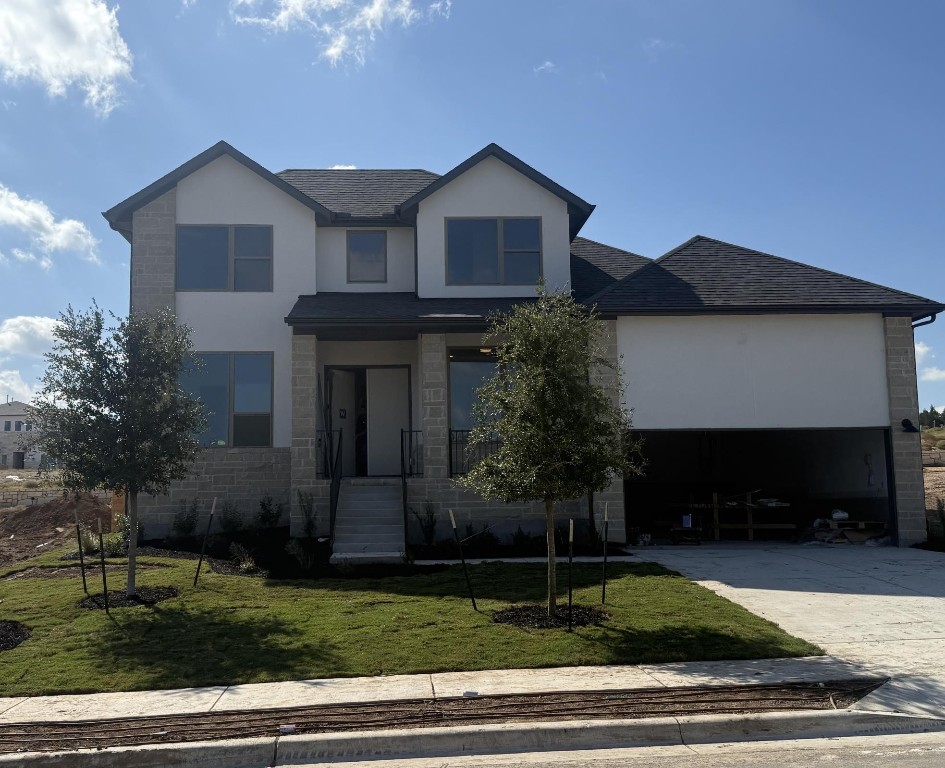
252 275
367 257
252 242
202 258
493 251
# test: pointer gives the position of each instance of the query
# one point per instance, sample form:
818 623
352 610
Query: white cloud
12 384
345 29
26 335
547 68
48 235
933 374
654 47
65 44
342 167
922 350
7 104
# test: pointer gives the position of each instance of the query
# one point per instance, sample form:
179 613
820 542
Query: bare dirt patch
934 486
12 633
27 531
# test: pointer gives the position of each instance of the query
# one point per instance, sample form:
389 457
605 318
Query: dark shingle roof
362 193
595 266
706 275
386 307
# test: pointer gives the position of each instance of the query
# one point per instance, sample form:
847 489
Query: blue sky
808 129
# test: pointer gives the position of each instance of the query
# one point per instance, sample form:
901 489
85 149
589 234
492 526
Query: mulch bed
424 713
536 616
118 599
12 633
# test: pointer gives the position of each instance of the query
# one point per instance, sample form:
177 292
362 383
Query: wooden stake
101 551
206 533
570 568
603 585
78 538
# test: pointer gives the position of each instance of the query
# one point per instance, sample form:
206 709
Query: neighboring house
345 308
17 437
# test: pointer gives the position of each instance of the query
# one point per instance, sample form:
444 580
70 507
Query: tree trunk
550 537
132 542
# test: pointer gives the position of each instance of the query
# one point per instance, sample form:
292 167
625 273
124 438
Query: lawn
236 629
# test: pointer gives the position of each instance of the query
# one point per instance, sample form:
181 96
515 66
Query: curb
486 739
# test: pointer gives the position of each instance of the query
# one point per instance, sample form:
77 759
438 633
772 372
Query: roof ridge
793 262
607 245
398 170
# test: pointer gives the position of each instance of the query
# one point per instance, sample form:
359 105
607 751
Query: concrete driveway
881 608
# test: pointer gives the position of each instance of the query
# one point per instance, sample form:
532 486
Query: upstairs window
18 426
493 251
367 256
218 258
7 426
236 391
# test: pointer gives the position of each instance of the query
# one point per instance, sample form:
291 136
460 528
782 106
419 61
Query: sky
811 129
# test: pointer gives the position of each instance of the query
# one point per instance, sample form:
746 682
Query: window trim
348 234
231 258
231 396
500 243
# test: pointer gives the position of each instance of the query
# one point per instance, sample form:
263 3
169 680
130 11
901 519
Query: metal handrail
335 488
411 464
463 455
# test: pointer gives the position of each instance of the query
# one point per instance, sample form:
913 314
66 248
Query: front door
388 412
372 406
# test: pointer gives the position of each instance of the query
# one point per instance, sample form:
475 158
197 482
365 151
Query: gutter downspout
927 320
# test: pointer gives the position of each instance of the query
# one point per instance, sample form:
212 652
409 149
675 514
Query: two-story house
340 313
18 437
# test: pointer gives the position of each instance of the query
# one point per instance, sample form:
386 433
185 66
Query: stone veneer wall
906 446
153 254
239 475
437 487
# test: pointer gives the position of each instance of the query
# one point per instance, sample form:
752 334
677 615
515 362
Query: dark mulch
536 616
118 599
12 633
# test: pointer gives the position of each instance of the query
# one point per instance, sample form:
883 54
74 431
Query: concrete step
392 557
348 529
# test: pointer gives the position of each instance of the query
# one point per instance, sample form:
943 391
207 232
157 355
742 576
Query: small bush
427 520
31 484
114 544
123 525
481 541
307 505
185 521
304 557
243 558
231 520
527 543
269 513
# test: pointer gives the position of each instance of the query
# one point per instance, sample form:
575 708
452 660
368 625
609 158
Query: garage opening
751 485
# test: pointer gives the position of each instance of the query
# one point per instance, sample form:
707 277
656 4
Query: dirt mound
27 531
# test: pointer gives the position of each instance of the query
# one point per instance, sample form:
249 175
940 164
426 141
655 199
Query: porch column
433 415
304 421
906 446
613 495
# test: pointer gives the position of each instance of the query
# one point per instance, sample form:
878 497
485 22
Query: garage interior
762 485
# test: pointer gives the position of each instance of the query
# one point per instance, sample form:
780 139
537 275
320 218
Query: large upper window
493 251
367 256
236 391
218 258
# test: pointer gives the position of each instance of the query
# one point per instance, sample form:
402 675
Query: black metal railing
411 464
329 451
463 454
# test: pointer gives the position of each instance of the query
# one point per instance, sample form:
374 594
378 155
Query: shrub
427 520
113 543
31 484
231 520
185 521
307 505
484 541
243 558
269 513
527 543
304 557
123 525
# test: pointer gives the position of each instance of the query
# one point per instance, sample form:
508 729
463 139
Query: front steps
369 522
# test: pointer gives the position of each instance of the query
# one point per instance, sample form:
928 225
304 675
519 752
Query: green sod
234 629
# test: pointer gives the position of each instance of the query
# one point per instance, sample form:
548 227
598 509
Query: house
340 316
17 437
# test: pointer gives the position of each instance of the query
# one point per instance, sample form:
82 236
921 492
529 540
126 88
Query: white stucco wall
332 262
755 371
491 188
225 192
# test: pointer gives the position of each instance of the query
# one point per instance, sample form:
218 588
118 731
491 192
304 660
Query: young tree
112 411
561 432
